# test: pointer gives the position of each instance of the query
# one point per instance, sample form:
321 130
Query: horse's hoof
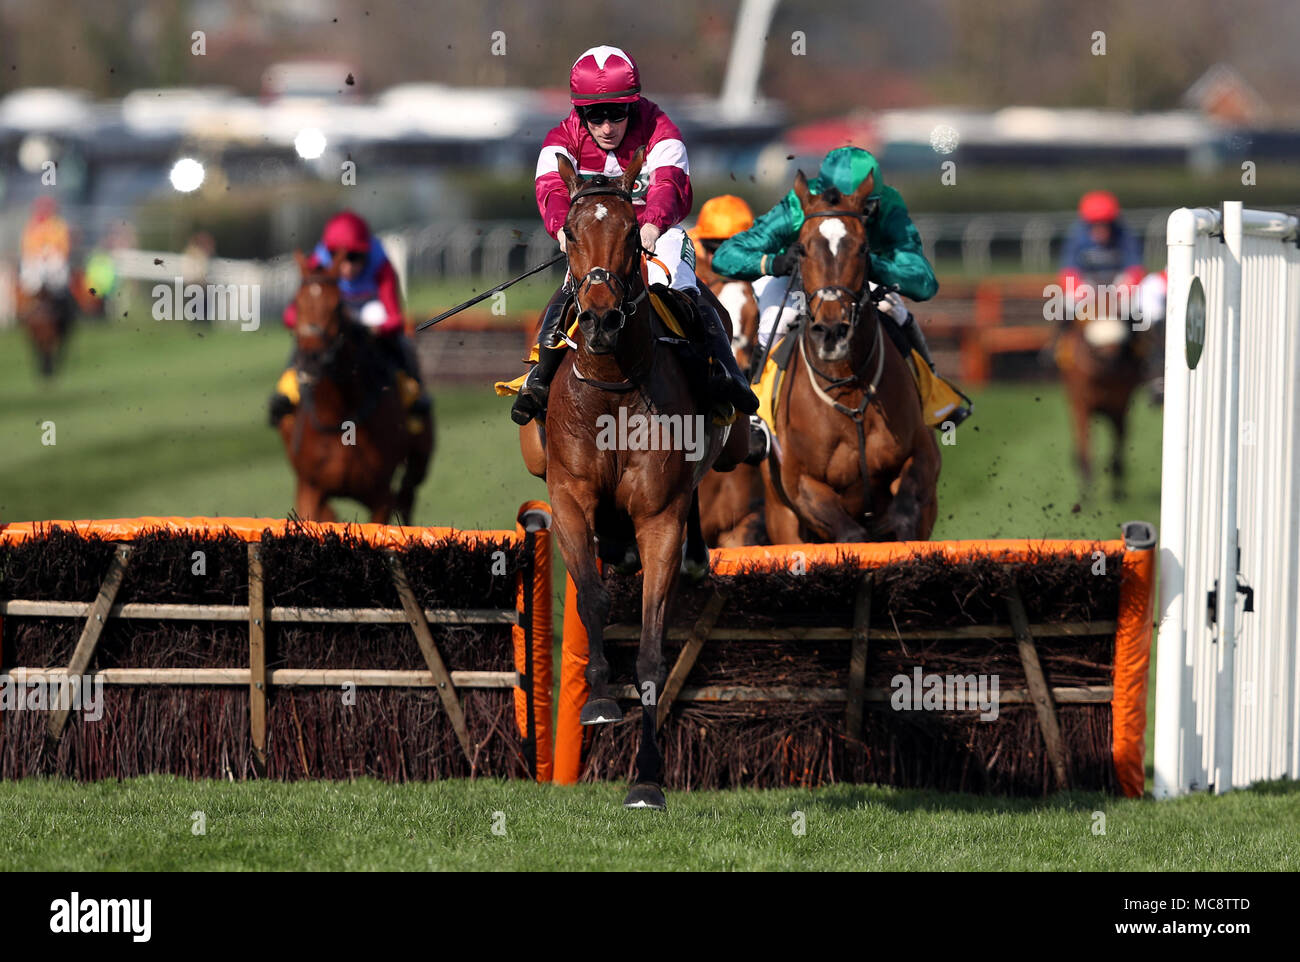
600 711
645 795
695 571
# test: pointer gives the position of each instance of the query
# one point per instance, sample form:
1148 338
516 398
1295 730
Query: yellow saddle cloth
938 398
662 308
408 389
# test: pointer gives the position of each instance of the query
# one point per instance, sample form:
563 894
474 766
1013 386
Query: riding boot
531 401
280 404
410 365
917 339
730 383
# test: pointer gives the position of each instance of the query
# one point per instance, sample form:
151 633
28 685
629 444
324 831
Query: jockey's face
351 263
605 131
1100 232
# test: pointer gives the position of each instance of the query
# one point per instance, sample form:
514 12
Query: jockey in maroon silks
610 120
371 294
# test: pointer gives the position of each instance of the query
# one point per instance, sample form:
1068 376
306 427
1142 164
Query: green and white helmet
845 168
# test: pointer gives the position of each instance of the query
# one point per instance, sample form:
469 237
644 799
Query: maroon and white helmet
604 75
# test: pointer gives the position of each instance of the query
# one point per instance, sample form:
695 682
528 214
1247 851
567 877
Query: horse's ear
801 189
567 173
858 200
628 180
304 264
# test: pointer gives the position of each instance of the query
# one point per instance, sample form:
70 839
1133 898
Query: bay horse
619 501
348 434
47 321
1101 367
731 502
854 459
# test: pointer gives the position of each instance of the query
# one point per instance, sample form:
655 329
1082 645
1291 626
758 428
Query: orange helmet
1098 207
721 217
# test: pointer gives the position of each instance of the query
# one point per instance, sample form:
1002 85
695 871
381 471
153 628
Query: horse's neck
346 384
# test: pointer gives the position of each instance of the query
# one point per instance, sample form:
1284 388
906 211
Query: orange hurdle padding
1132 636
249 529
573 691
535 517
1128 707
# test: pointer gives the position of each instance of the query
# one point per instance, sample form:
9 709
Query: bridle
323 363
857 301
628 303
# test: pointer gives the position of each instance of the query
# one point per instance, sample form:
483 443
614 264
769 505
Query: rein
627 306
869 392
307 380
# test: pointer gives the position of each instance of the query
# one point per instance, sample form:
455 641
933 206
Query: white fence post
1228 678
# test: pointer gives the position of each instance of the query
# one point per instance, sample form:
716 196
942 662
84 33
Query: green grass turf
157 418
146 824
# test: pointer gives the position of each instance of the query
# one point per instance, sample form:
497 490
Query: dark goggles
356 257
603 112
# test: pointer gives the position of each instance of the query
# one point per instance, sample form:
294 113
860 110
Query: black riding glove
783 264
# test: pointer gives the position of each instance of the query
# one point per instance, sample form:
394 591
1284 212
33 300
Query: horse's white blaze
315 290
833 229
601 211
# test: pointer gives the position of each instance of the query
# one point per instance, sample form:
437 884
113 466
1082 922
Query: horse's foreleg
1117 455
414 472
782 524
913 508
660 542
308 502
574 529
1079 415
820 509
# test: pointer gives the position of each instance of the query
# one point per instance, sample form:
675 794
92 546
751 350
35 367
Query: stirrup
279 407
760 441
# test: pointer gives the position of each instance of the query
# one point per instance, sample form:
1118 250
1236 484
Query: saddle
678 327
408 391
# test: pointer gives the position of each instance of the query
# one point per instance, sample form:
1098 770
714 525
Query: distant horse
854 458
1101 363
348 434
731 502
47 320
622 501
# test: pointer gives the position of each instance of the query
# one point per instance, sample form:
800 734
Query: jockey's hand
649 237
783 264
564 244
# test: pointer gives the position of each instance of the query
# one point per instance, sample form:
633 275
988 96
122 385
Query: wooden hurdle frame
1132 629
530 620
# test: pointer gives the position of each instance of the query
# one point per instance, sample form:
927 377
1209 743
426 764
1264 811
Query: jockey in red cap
371 294
1099 249
610 120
